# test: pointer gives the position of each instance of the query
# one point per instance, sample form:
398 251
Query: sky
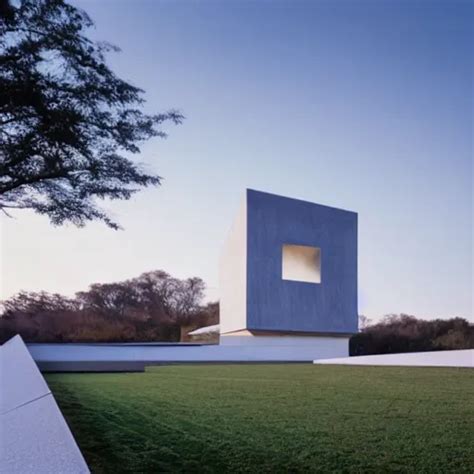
361 105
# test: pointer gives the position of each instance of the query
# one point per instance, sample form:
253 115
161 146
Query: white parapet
462 358
34 436
326 346
254 349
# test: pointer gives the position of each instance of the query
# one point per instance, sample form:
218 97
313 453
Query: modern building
288 293
288 275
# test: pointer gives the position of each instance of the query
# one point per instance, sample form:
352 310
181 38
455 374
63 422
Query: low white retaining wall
463 358
34 437
267 350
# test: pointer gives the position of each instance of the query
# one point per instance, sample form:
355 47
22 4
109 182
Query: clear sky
363 105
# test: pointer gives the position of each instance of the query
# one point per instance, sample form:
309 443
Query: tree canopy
151 307
68 125
397 333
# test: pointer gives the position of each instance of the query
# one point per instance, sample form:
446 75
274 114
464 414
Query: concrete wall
265 349
462 358
335 345
233 275
34 437
276 304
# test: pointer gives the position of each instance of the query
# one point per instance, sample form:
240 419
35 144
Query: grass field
272 418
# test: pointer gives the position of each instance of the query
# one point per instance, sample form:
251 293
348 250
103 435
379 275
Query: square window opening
301 263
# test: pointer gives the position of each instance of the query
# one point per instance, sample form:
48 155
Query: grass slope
272 418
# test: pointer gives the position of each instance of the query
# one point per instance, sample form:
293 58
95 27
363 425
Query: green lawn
272 418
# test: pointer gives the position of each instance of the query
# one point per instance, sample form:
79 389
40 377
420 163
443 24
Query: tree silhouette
154 306
68 124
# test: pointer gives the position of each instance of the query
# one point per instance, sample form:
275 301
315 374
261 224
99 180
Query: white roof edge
454 358
205 330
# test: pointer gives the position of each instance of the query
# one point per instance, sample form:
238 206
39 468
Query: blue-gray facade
275 304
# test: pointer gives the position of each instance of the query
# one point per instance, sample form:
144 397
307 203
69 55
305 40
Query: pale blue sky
363 105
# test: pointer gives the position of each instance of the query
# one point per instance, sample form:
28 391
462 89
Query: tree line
152 307
157 307
404 333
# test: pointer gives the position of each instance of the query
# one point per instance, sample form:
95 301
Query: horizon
363 107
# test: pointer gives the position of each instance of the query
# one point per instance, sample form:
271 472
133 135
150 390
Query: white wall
34 437
263 349
339 344
233 275
464 358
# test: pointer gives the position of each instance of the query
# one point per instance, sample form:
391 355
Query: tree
187 297
155 291
364 322
41 315
405 333
151 307
111 300
31 303
68 124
